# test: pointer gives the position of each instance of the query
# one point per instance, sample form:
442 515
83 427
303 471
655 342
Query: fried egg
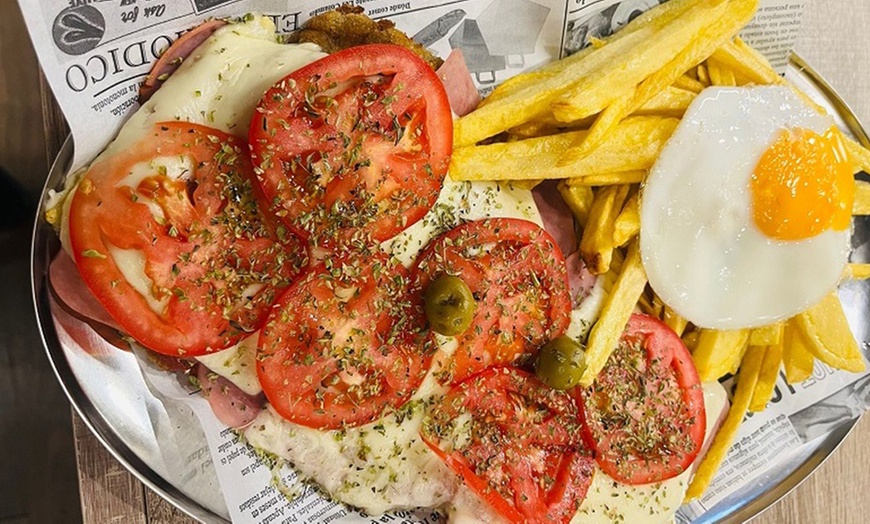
746 216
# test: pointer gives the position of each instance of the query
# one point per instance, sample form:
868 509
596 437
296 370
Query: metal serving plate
111 397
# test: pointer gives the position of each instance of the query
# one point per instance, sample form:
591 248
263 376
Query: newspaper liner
95 56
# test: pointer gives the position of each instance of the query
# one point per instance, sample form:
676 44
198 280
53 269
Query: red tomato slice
518 277
355 145
345 343
516 442
214 261
644 415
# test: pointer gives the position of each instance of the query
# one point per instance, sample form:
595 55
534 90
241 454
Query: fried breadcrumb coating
347 26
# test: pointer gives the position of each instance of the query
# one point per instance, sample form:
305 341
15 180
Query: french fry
766 377
741 59
674 321
861 205
719 352
579 200
703 76
860 156
596 244
627 224
592 94
615 312
670 102
746 382
858 272
768 335
526 100
709 37
634 145
688 83
607 120
662 13
796 357
609 179
826 332
720 75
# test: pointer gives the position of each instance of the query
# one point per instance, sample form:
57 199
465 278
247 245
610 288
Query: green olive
449 305
561 363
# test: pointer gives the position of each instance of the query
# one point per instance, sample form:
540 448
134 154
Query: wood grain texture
835 42
109 492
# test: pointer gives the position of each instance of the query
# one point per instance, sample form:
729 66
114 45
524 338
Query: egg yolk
803 185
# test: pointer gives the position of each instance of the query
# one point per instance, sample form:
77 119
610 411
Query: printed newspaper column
775 29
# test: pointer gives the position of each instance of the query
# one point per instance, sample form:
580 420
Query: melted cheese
610 501
238 364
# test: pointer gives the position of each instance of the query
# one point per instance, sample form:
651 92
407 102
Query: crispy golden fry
670 102
746 382
861 206
674 320
767 377
860 156
604 124
720 75
858 272
627 224
796 357
596 244
634 145
826 332
741 59
579 200
703 76
526 184
615 312
516 83
688 83
767 335
530 99
719 352
613 81
609 179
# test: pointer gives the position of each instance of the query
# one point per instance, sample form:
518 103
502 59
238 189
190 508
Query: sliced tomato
355 145
345 343
516 442
644 414
518 278
185 264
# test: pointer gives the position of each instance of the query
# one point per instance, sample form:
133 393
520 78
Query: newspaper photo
96 55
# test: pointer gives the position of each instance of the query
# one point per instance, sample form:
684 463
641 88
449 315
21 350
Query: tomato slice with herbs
354 146
517 276
644 414
169 236
345 343
516 442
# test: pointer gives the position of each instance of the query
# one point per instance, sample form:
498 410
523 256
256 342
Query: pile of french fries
598 120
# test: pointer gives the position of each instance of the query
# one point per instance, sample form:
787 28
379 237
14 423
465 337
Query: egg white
702 252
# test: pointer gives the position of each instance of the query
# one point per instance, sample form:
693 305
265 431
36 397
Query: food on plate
194 264
644 414
772 236
408 337
347 26
353 146
345 344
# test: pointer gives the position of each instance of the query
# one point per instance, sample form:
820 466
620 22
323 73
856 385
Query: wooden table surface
835 42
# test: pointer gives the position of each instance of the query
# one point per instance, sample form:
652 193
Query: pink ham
556 216
460 88
231 405
177 52
579 278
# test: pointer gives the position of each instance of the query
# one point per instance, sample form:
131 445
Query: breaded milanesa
347 26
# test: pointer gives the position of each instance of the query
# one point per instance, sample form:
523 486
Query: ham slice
231 405
175 55
557 217
460 88
580 279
